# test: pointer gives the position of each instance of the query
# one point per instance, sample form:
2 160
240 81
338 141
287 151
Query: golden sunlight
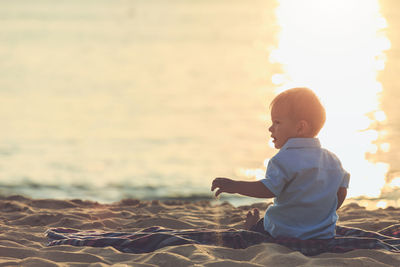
337 48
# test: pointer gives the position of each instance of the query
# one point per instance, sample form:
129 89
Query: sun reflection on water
337 48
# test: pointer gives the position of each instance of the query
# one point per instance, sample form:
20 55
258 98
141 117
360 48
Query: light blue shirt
305 179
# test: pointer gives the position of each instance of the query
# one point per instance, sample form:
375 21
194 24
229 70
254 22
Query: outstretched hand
224 185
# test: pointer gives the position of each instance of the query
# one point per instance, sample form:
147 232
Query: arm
341 195
251 189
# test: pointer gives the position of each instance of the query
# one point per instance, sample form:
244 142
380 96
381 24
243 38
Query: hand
224 185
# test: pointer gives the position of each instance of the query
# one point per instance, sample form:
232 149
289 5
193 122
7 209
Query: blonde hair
302 104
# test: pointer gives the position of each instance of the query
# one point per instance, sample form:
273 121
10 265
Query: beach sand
23 222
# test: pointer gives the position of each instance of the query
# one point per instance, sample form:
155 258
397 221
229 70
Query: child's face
283 126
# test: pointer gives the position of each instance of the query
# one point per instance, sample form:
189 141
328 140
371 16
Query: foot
251 219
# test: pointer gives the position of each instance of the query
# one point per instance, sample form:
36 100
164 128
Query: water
152 99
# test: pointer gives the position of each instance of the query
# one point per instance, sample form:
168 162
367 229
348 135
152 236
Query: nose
270 128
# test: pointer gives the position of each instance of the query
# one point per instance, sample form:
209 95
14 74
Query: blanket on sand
153 238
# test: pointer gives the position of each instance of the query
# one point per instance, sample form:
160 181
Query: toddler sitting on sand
307 182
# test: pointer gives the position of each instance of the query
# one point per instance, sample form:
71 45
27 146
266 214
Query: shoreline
370 203
24 220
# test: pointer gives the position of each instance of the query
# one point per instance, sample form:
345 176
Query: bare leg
251 219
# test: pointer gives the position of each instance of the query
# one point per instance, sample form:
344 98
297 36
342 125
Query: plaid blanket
153 238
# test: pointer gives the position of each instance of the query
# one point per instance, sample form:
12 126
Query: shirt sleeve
275 178
346 180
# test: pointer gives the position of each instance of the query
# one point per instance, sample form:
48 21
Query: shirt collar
301 143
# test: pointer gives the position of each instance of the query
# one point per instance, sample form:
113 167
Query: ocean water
152 99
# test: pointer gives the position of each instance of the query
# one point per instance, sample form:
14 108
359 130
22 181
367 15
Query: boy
307 181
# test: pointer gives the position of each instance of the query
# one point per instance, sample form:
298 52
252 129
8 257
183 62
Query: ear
303 128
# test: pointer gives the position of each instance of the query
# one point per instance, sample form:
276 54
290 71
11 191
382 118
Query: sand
23 222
